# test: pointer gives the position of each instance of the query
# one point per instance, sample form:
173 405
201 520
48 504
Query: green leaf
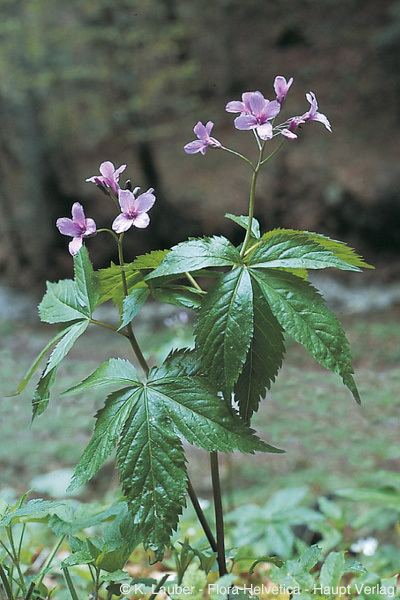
197 254
151 260
152 469
110 282
332 571
296 252
188 400
65 344
41 397
112 372
150 455
264 357
60 303
224 328
86 280
109 423
184 361
339 249
69 300
302 313
179 295
243 221
132 304
28 375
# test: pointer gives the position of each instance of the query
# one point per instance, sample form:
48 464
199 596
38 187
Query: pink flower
133 210
78 227
109 177
313 115
290 126
204 140
256 113
281 87
235 106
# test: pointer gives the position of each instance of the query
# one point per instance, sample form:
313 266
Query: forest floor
330 441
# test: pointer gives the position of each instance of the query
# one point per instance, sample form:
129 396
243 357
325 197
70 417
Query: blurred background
83 82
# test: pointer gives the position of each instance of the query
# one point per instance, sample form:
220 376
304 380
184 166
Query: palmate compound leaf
64 301
264 357
296 252
197 254
341 250
303 314
224 328
147 421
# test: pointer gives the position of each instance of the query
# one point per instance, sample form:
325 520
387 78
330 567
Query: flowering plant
207 394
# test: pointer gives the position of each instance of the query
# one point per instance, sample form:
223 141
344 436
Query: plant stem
70 584
200 515
49 560
15 559
193 281
238 155
219 514
30 591
252 199
159 586
6 584
130 335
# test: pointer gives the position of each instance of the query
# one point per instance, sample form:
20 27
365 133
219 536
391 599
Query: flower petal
78 214
122 223
245 122
288 134
142 221
265 131
235 107
126 201
209 126
68 227
144 202
193 147
257 103
90 227
271 109
312 99
118 172
75 245
107 169
200 130
281 87
323 119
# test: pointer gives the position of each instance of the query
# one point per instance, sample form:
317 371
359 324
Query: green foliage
178 295
264 357
303 314
195 255
243 222
295 252
132 304
146 421
110 282
225 327
269 528
65 301
341 250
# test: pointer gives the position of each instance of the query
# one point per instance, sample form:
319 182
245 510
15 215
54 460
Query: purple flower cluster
258 114
134 208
